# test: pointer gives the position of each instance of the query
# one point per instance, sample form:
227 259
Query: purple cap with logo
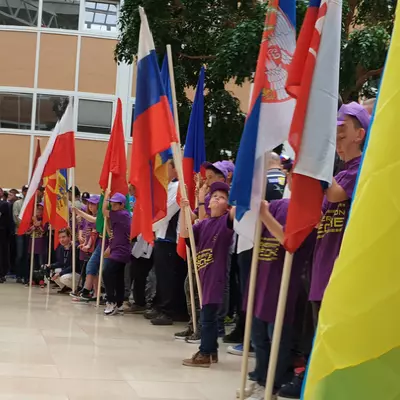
219 166
118 198
219 186
355 110
94 199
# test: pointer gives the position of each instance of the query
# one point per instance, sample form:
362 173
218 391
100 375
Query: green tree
225 35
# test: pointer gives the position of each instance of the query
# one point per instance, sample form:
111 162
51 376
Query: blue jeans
261 337
22 262
93 265
209 329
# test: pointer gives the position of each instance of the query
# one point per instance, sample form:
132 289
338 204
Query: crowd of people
152 280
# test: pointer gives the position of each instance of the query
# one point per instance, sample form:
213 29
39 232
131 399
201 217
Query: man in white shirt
170 269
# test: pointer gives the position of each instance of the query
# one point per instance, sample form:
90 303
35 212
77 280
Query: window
15 110
101 16
49 109
62 14
94 116
19 12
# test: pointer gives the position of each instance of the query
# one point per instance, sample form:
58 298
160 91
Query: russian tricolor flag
269 118
153 132
314 82
195 150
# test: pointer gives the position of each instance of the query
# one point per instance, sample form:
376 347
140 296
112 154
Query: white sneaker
248 389
258 393
111 308
120 310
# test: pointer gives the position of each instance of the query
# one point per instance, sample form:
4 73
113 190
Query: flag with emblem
269 117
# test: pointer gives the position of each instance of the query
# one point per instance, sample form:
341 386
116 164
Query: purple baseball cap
94 199
229 166
355 110
219 166
219 186
118 198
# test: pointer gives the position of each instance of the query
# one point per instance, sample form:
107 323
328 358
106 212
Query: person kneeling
213 237
63 266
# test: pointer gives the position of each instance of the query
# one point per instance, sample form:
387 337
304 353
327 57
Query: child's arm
106 212
335 193
275 228
89 218
202 198
183 228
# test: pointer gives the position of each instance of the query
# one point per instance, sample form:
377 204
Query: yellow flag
356 354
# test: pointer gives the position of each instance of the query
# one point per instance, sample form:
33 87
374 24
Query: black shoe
184 334
162 319
65 290
136 309
151 314
292 390
235 337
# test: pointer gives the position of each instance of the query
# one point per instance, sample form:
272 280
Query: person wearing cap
230 168
118 251
89 290
78 203
22 262
213 237
353 122
85 197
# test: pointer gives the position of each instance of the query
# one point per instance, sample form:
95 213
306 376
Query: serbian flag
58 154
114 162
314 82
195 150
153 132
30 206
268 120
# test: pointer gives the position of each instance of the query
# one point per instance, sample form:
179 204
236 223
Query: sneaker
135 309
184 334
75 295
198 360
235 337
258 393
248 389
238 350
111 309
151 314
292 390
162 320
229 321
41 284
120 310
194 338
65 290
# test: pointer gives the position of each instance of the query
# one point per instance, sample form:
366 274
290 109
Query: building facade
57 49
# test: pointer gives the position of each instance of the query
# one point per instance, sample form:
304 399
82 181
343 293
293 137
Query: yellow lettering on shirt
269 249
204 258
333 221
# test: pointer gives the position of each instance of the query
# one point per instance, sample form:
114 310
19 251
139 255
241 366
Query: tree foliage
225 36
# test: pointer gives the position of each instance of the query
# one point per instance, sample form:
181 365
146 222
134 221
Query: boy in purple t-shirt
118 252
353 123
213 238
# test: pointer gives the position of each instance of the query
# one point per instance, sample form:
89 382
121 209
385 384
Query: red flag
115 159
153 132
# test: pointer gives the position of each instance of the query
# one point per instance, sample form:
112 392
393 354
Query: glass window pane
105 16
94 116
49 110
15 110
19 12
60 14
89 16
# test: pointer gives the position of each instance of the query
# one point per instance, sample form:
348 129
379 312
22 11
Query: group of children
216 240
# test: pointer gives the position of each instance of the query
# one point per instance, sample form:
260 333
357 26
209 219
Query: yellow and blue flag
356 351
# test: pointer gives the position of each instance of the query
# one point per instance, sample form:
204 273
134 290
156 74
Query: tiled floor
52 349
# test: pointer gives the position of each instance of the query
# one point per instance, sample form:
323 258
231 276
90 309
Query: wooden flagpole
251 293
73 230
33 244
103 243
49 259
280 315
178 165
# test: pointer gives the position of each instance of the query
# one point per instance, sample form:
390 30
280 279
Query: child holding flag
118 252
213 238
40 232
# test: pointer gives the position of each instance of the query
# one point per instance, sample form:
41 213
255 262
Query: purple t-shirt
331 231
120 245
213 236
206 205
270 269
